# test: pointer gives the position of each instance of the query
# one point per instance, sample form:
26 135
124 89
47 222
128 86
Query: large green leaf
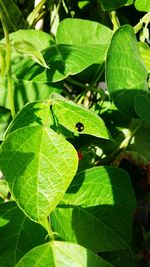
81 32
85 32
142 107
142 5
18 234
109 5
63 60
68 114
126 74
61 254
38 165
97 210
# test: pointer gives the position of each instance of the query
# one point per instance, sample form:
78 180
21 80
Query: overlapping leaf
18 234
61 254
63 60
98 204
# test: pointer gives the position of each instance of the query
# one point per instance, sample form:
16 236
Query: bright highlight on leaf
61 254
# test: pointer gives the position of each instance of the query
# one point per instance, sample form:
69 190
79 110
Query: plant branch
145 19
47 225
114 20
31 19
8 64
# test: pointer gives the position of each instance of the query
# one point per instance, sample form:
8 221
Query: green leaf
126 74
109 5
69 114
82 32
142 107
26 48
61 254
142 5
18 234
98 204
63 60
145 54
38 165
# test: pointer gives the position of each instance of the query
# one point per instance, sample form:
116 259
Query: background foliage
74 133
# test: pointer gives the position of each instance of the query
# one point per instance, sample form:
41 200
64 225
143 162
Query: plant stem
145 19
114 20
47 225
81 85
33 15
8 64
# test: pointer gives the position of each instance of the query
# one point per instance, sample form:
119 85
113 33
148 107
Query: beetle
79 126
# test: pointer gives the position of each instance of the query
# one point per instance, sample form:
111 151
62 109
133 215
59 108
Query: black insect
79 126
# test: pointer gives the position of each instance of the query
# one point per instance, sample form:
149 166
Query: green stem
33 15
47 225
81 85
8 64
145 19
114 20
